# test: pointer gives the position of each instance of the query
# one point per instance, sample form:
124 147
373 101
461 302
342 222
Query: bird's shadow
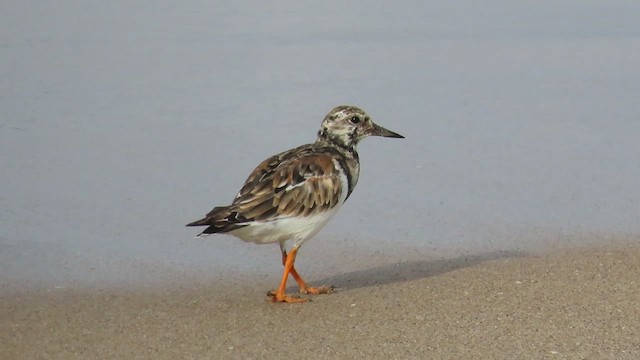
410 270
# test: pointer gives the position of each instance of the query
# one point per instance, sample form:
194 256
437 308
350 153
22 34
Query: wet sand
569 304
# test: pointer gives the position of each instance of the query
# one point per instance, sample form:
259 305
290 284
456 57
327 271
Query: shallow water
121 122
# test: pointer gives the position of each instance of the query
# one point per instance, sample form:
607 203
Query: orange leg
304 288
280 296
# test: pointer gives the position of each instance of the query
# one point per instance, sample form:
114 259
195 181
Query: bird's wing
294 183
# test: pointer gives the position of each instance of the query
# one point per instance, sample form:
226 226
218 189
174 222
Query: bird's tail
218 214
201 222
220 220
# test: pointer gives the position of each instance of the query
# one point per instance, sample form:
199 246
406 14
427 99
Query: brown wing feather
297 182
290 186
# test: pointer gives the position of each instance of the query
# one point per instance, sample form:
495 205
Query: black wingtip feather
201 222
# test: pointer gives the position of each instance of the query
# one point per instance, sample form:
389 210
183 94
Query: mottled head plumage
346 125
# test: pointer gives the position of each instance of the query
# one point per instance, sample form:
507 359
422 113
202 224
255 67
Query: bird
290 196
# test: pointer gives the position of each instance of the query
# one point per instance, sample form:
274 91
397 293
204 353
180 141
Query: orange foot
288 261
317 290
276 297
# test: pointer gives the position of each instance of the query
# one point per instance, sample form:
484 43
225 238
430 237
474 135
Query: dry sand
577 304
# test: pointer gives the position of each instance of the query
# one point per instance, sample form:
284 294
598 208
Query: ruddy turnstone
290 196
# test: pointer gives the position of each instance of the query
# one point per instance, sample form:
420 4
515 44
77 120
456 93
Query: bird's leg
304 288
279 295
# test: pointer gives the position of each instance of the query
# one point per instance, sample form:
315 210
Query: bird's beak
377 130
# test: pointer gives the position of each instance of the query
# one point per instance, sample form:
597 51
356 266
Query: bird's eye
355 120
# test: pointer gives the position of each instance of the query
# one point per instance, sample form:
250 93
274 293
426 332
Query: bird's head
346 125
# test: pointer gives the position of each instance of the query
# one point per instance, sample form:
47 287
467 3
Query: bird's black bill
378 130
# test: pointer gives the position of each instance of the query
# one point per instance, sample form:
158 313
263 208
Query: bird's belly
298 229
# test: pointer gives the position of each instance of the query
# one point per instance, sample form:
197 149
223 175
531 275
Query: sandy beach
569 304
